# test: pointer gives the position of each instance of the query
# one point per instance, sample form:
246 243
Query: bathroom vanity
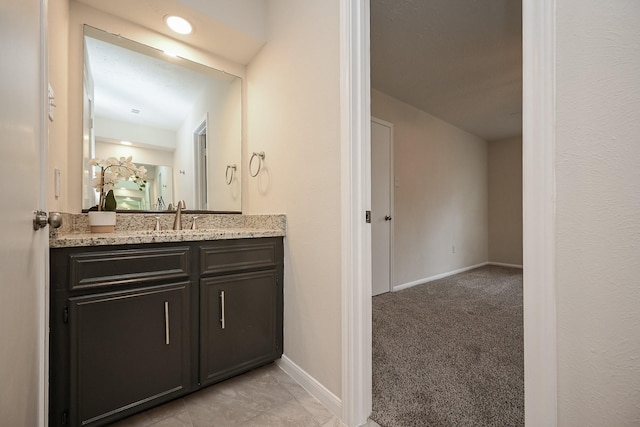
135 325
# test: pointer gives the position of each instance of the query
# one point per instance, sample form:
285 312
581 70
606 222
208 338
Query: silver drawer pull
222 308
166 322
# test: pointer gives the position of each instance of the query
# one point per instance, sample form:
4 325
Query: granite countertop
218 227
136 237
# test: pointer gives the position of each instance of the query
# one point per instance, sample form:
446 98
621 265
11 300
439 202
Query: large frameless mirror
180 119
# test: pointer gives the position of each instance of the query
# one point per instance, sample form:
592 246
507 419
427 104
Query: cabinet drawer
237 256
106 268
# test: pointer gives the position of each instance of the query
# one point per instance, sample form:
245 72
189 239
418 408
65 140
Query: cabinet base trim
332 402
131 405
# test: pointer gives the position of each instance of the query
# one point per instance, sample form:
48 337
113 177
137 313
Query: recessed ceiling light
125 143
179 25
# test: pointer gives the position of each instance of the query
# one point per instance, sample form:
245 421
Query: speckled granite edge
138 228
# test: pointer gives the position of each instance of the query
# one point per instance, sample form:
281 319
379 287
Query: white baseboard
502 264
330 401
436 277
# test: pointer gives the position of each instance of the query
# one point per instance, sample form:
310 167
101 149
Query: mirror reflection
179 119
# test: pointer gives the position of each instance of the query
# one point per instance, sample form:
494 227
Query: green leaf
110 203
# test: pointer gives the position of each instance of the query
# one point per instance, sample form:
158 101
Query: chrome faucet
177 223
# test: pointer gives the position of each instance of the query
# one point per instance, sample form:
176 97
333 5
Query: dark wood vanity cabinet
127 348
135 326
239 319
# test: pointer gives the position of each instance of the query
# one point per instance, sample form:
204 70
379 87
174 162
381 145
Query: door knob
387 218
41 219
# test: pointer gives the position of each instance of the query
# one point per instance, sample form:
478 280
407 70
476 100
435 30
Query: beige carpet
450 352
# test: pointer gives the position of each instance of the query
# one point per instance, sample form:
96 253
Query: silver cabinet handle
166 322
222 308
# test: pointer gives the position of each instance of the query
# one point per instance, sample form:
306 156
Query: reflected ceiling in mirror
182 120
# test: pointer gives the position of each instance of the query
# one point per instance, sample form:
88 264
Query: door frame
355 148
201 161
538 194
391 201
540 347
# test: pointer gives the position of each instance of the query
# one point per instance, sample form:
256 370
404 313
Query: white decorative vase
102 221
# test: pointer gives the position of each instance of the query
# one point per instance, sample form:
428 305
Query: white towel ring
260 157
229 178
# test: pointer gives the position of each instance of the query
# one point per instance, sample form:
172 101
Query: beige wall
598 212
505 201
442 195
293 115
58 23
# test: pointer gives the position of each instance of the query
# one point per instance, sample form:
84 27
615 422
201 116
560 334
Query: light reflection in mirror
183 121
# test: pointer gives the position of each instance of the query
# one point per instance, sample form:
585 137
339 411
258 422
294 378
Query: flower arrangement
113 170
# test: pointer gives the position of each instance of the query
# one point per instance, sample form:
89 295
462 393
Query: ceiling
224 33
161 93
458 60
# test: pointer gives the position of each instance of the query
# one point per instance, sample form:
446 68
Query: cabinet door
239 324
129 351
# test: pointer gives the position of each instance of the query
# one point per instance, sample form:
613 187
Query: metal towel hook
260 157
229 177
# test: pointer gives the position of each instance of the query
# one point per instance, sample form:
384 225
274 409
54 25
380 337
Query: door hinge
65 314
367 217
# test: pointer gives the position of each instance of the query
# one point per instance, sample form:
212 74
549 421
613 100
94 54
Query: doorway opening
454 171
200 152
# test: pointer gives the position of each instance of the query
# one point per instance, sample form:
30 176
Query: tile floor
264 397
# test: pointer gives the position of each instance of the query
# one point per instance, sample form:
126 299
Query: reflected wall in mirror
180 119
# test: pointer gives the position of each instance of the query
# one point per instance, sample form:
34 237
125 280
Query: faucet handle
193 224
157 227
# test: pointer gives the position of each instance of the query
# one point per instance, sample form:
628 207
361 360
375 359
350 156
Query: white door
23 251
381 204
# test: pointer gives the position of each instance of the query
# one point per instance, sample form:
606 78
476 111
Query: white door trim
355 135
391 202
538 212
538 148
